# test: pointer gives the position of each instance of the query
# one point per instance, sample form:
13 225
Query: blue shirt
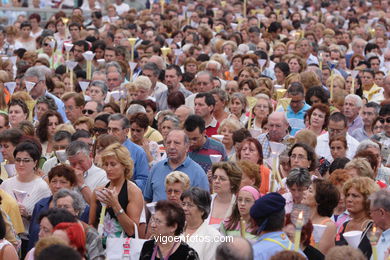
271 243
296 120
60 105
141 166
383 244
155 186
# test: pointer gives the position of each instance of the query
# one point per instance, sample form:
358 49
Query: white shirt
122 8
323 150
95 177
160 87
190 100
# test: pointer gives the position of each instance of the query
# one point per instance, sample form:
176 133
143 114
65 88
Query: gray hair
153 67
114 64
135 108
62 135
242 98
300 177
367 144
78 202
222 94
98 73
174 119
201 198
118 117
204 72
48 101
214 62
39 72
100 84
381 199
235 249
77 147
356 98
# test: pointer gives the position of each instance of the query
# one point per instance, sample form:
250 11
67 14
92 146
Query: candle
101 220
331 85
373 241
298 231
132 43
320 61
165 51
245 4
162 2
353 86
275 171
250 118
242 227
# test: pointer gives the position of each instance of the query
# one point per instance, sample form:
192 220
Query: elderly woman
221 100
357 192
297 182
168 221
27 182
246 197
227 128
237 107
359 167
252 151
196 205
175 184
44 104
296 64
98 91
322 198
46 129
302 156
168 123
143 86
261 111
236 65
17 112
226 179
122 197
318 116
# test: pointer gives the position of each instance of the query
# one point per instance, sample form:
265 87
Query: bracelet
82 187
120 212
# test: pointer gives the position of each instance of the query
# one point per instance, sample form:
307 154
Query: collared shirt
155 186
312 60
60 105
212 128
162 98
202 155
384 140
360 134
141 166
357 123
270 244
95 177
296 120
383 175
158 89
383 244
323 150
264 141
375 94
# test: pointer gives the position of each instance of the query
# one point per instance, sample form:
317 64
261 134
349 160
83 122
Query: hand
23 210
79 177
108 197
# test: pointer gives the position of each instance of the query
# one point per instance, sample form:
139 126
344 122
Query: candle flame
374 229
300 216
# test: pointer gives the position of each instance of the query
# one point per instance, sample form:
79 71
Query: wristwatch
121 211
82 187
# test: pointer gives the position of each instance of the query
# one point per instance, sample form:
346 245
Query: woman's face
246 90
228 49
59 182
308 197
378 127
47 47
244 75
298 158
191 211
99 53
191 68
354 201
7 150
261 108
26 32
294 66
16 115
40 109
356 61
174 191
236 107
158 225
150 114
279 51
45 228
250 153
231 88
338 149
221 182
137 133
279 75
68 86
60 27
142 94
114 169
245 201
96 94
166 127
52 125
237 64
58 92
24 164
317 118
248 62
219 105
315 100
227 133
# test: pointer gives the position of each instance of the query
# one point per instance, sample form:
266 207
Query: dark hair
371 71
175 99
57 216
25 24
340 138
323 108
307 230
30 148
209 98
98 45
141 119
176 68
65 171
174 214
318 92
283 66
338 117
97 14
369 156
240 135
113 106
102 117
296 88
82 43
327 197
201 198
12 135
385 110
3 229
62 135
272 222
151 104
42 129
21 103
59 252
35 16
373 105
194 121
81 133
311 155
257 145
338 163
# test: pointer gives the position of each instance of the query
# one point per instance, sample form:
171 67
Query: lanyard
156 248
280 244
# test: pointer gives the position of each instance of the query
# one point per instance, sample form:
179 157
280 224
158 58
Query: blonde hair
23 95
309 79
178 177
336 79
344 252
362 166
142 82
122 155
46 242
84 120
65 127
307 137
231 123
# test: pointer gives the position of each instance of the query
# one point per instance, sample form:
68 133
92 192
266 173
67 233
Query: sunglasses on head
88 111
383 120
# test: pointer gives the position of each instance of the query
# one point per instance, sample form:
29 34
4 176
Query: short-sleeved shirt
296 120
155 186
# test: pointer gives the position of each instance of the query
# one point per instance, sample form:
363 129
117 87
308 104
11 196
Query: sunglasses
99 130
88 111
46 44
383 120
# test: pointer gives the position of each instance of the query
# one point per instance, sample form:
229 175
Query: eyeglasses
298 156
24 160
187 204
88 111
114 130
383 120
99 130
175 192
216 177
156 221
336 131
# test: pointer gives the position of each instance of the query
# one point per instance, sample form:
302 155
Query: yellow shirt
375 94
11 208
151 134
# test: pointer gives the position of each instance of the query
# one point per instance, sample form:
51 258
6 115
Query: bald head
277 126
238 249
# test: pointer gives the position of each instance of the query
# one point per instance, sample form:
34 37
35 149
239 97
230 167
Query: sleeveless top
112 227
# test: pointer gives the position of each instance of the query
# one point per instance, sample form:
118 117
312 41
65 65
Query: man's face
151 76
297 102
80 162
60 145
386 124
201 108
67 203
72 111
379 79
113 80
175 146
297 193
368 116
213 69
337 128
115 128
203 83
74 32
358 48
367 79
109 55
172 79
78 53
277 128
304 47
39 89
182 113
90 109
196 139
351 111
375 64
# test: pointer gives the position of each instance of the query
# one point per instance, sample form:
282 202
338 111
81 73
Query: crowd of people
199 130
